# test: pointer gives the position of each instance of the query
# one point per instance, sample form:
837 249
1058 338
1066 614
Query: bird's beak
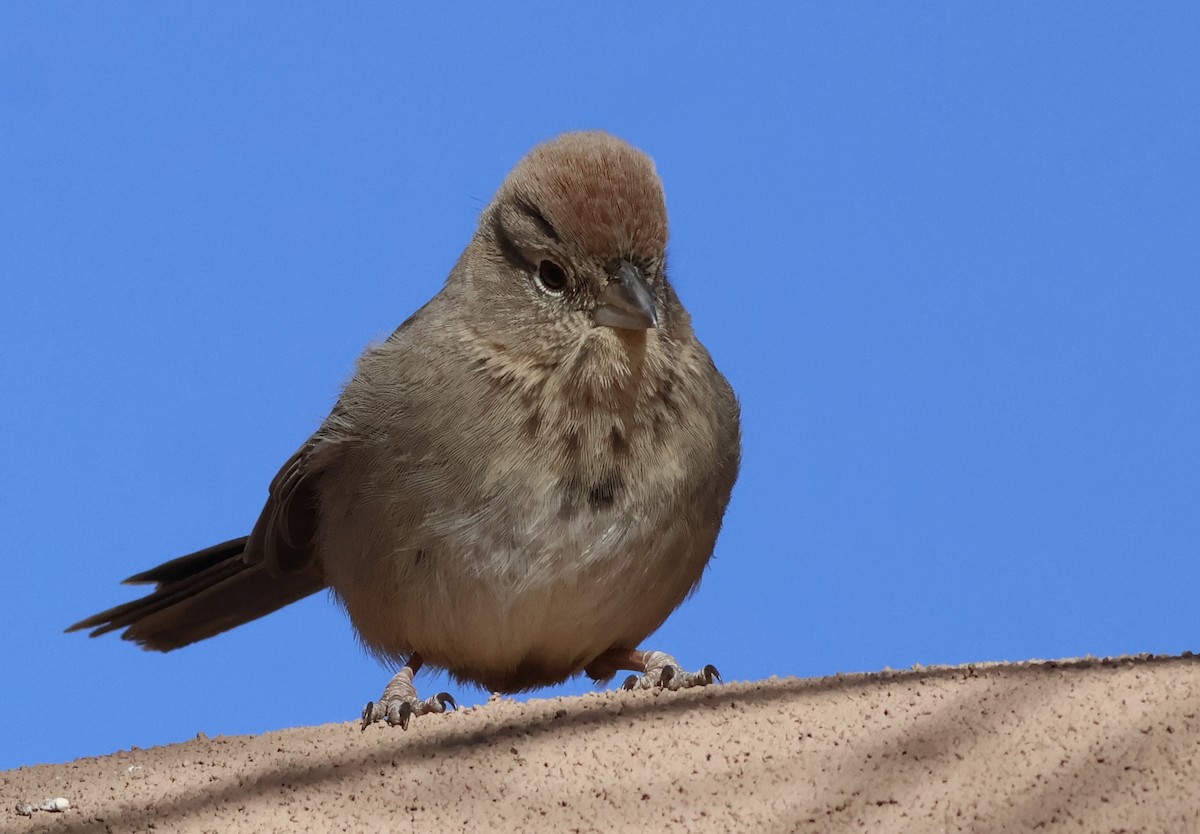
626 302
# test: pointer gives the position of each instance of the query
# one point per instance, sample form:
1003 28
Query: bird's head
573 246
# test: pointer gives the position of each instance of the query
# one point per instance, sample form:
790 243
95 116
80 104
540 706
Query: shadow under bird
522 482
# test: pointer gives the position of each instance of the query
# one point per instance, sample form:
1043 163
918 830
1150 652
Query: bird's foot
658 670
399 702
664 672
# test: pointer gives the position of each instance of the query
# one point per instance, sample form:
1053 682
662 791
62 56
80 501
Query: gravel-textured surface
1091 746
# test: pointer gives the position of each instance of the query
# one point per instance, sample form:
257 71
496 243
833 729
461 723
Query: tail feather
163 598
191 564
201 595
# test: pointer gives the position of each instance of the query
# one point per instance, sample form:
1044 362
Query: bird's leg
399 701
657 670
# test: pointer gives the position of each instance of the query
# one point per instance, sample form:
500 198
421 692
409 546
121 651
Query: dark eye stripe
537 217
510 250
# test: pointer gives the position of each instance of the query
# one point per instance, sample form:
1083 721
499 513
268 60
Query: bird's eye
551 277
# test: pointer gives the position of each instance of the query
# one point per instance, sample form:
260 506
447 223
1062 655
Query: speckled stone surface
1088 745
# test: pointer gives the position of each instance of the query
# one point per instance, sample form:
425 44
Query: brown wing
282 538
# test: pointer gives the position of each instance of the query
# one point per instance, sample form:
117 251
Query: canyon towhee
522 482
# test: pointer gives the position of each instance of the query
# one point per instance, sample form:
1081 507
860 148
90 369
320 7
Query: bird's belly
527 607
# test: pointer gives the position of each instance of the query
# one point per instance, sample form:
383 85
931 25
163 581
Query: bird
521 482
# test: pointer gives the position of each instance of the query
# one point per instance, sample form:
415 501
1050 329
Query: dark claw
711 674
630 682
368 715
668 672
399 714
446 700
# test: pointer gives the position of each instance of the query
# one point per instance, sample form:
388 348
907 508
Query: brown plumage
523 481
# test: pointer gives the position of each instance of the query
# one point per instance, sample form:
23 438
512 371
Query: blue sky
946 253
